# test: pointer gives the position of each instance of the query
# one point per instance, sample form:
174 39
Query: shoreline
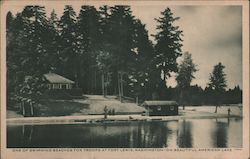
99 119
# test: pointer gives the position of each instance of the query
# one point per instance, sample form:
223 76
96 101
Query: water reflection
185 138
183 133
220 133
27 132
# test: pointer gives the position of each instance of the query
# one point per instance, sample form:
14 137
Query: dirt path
97 103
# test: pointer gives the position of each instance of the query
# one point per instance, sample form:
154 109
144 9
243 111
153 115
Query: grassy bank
59 108
94 105
48 108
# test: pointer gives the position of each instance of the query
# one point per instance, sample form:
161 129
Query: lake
191 133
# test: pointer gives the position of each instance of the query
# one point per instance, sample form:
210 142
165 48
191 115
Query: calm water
201 133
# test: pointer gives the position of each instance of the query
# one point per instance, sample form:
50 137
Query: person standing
228 112
105 112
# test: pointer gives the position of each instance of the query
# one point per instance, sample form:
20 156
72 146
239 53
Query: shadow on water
220 136
181 134
185 138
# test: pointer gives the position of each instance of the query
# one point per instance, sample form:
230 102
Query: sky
212 34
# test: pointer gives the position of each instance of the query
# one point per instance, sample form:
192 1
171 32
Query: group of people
108 111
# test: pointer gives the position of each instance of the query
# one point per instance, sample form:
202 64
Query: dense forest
106 51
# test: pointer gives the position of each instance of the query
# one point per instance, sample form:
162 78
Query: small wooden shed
161 108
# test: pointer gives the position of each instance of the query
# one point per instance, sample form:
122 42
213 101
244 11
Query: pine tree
121 34
31 34
218 83
11 67
26 54
52 42
15 49
218 78
167 49
89 40
9 21
67 44
185 76
139 63
36 23
104 27
104 56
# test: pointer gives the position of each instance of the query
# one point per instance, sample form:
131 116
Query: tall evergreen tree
16 52
35 61
185 71
121 35
69 54
104 12
52 42
11 67
218 78
26 54
218 83
9 21
167 49
140 61
185 76
105 56
88 38
121 39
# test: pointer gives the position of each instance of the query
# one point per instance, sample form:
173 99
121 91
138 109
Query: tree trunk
182 99
76 81
216 107
106 84
31 109
96 82
103 89
23 107
119 88
137 100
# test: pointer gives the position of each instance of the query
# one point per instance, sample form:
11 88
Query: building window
159 108
172 108
149 109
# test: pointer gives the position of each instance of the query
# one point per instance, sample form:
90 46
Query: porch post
22 103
